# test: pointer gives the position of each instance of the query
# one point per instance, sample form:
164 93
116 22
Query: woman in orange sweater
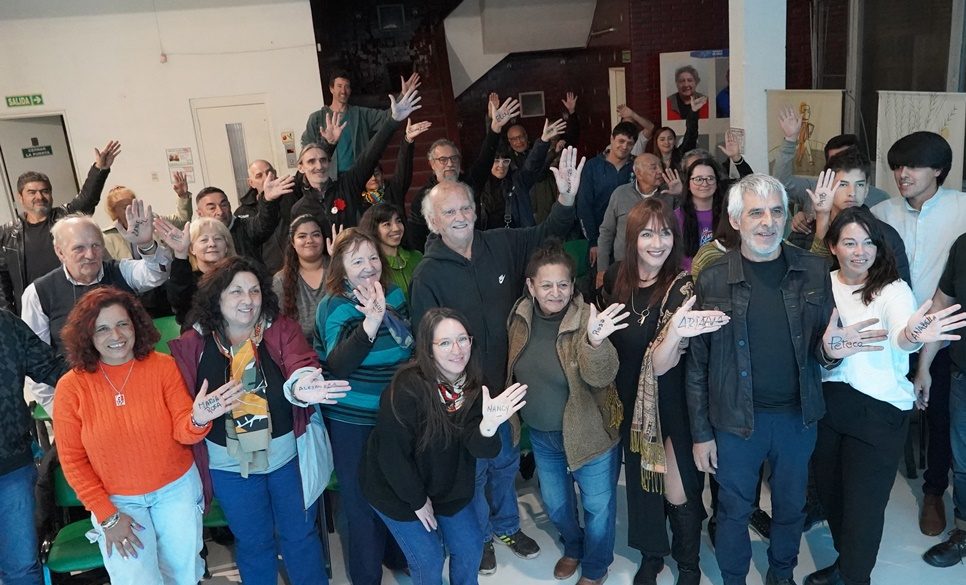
125 425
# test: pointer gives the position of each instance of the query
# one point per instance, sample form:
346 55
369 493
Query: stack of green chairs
70 551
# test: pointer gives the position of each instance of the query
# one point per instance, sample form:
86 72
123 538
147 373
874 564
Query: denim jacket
719 381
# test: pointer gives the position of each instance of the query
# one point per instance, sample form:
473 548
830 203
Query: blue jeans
368 541
424 551
262 506
594 544
496 493
18 535
957 432
171 517
787 444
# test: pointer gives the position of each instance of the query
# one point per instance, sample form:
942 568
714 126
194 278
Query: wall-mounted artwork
821 112
905 112
691 74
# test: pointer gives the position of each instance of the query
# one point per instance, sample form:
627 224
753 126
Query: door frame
227 101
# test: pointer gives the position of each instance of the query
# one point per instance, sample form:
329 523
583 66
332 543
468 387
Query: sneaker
760 522
488 562
949 552
522 545
589 581
772 579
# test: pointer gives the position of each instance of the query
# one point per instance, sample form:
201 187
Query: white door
36 143
231 133
617 92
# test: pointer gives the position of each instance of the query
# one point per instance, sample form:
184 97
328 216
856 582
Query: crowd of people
745 329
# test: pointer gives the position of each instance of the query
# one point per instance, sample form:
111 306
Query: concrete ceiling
514 26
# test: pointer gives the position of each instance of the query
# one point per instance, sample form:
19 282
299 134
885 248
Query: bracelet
196 424
740 160
112 521
149 249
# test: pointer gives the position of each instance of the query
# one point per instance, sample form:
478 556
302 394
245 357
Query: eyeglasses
445 160
704 180
501 161
447 345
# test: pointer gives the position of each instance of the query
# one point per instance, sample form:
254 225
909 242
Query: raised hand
427 516
313 388
406 105
330 242
500 116
275 187
181 184
689 323
498 410
841 342
600 326
372 302
567 174
140 224
570 102
414 130
104 158
551 130
178 240
790 122
121 537
673 180
824 192
493 101
731 147
407 84
929 328
698 102
624 112
334 125
208 407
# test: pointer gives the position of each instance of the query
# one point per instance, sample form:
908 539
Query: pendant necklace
118 392
644 314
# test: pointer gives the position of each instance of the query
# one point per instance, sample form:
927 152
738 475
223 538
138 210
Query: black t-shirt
38 250
774 369
953 283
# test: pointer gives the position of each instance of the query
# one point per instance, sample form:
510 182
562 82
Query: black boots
686 540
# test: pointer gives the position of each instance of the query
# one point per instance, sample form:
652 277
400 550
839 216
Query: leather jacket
719 380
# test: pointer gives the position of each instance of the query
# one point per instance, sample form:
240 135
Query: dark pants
368 541
939 456
787 444
856 456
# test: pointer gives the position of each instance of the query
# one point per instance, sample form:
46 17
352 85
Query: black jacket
250 232
417 231
13 272
719 384
485 288
340 202
506 202
22 353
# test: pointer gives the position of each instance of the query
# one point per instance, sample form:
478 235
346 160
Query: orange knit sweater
126 450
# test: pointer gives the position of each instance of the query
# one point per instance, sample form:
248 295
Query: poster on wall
695 74
905 112
821 112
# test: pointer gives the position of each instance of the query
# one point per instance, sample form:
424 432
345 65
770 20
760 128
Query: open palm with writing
824 192
140 223
313 388
601 325
690 323
841 342
497 410
567 172
928 328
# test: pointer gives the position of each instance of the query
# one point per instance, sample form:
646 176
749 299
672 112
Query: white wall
99 63
464 45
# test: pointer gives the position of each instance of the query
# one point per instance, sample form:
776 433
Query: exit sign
16 101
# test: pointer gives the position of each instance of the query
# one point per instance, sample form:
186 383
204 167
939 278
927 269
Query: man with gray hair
754 387
79 245
481 275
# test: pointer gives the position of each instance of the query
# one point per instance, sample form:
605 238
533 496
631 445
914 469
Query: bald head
647 172
257 173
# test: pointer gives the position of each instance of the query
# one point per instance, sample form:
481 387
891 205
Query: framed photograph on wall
531 104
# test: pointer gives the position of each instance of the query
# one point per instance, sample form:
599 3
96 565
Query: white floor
899 556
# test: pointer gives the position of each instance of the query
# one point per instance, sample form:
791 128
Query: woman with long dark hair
663 483
700 210
664 140
868 397
419 466
265 460
385 221
299 283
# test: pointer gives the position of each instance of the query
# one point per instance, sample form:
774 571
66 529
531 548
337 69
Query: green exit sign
16 101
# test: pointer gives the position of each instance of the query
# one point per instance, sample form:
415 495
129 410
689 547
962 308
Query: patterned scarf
452 394
373 196
248 429
397 325
646 436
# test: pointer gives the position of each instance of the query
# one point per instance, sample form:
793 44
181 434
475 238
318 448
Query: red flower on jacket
339 204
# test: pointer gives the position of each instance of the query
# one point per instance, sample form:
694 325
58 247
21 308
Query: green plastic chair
70 551
215 518
169 329
578 250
